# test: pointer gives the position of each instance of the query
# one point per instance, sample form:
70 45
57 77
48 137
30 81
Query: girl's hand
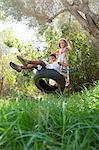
63 64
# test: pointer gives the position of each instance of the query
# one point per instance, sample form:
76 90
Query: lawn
50 121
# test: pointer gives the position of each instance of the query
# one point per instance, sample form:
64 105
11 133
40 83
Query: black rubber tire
51 74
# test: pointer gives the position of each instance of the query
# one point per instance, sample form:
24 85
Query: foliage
9 39
2 15
52 122
51 38
14 81
84 61
83 57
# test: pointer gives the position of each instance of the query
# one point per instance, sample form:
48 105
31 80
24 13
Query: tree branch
85 2
83 7
60 12
94 16
80 19
94 30
76 2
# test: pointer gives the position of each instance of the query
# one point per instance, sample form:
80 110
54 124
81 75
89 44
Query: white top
53 65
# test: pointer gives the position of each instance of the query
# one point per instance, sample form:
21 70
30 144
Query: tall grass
50 122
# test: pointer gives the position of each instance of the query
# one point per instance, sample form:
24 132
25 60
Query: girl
63 58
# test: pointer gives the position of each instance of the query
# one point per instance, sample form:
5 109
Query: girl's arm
56 52
63 64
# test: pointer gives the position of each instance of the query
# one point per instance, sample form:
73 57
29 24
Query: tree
47 10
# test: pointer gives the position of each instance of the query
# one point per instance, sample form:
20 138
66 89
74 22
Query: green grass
50 122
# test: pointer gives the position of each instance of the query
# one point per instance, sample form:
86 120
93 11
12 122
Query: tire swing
41 80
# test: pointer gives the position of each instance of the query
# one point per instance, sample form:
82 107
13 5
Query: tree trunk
82 12
1 85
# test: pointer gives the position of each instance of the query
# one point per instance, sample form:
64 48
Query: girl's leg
66 75
67 79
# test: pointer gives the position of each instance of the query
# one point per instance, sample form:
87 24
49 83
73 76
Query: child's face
62 44
52 59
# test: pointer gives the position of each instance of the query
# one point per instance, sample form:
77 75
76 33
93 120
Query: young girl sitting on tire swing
60 64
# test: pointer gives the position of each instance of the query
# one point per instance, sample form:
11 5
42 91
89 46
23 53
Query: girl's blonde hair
65 41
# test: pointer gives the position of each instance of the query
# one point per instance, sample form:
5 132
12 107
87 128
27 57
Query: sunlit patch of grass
50 122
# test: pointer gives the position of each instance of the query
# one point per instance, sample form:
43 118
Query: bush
83 62
83 57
